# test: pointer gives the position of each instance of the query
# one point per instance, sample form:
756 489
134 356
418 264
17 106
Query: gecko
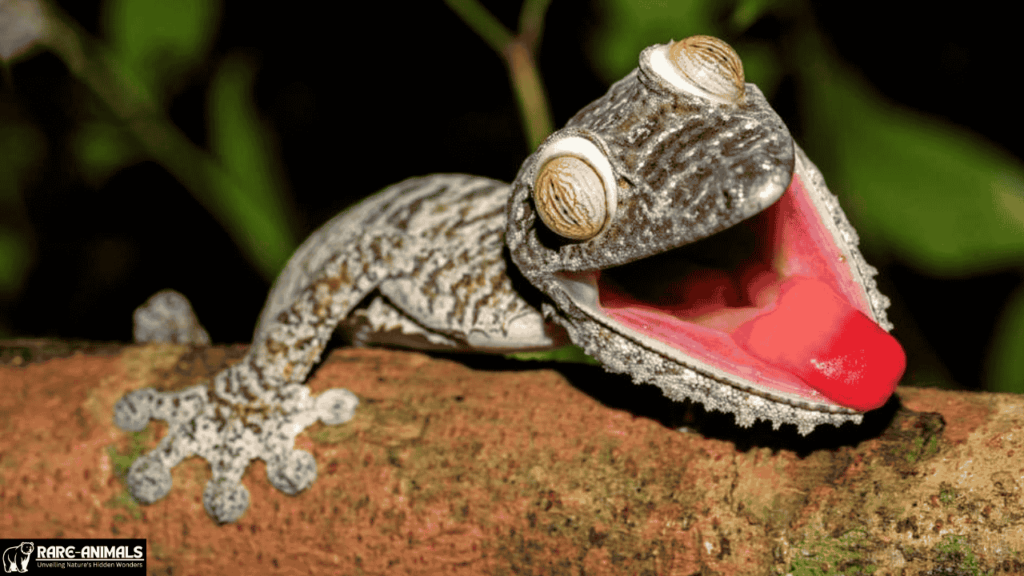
672 229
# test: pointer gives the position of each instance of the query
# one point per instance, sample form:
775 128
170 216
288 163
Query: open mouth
771 301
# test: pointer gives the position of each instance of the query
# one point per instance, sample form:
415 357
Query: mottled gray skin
424 263
686 167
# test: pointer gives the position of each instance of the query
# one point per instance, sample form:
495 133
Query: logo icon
16 557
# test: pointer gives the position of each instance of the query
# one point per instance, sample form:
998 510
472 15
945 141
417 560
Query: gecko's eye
574 191
570 198
704 66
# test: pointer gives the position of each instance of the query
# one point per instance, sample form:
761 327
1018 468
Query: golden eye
571 198
711 65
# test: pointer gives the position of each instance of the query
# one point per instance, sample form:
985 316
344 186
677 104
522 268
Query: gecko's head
682 239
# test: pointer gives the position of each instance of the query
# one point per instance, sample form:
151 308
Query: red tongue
836 349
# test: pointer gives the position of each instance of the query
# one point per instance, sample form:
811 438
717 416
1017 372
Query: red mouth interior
771 301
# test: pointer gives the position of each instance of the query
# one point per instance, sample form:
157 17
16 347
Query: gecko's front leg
255 408
420 263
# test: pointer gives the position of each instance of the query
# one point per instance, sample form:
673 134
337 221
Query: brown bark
518 468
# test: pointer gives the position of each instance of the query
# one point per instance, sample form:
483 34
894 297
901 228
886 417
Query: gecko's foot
229 429
293 473
149 480
168 317
336 406
132 413
225 501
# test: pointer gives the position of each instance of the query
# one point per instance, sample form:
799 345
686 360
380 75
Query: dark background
363 97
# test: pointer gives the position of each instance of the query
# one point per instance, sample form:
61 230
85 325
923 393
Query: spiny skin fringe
619 355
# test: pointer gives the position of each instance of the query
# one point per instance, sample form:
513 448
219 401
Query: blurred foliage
518 50
919 190
160 43
251 185
925 191
150 51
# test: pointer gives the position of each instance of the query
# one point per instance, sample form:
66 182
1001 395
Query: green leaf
1005 362
926 192
251 200
567 353
160 41
102 149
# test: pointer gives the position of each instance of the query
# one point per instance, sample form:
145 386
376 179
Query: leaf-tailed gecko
672 229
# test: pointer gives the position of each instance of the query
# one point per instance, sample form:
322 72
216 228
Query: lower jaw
785 319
